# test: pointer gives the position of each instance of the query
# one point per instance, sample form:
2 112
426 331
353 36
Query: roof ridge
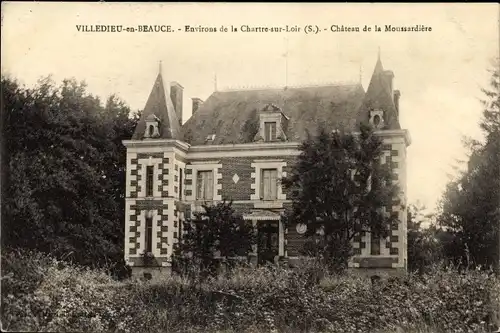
281 87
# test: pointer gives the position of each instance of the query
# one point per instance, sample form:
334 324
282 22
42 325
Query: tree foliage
339 188
424 239
470 207
218 231
64 171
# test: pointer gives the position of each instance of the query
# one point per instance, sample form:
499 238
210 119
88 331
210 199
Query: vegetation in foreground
62 199
40 293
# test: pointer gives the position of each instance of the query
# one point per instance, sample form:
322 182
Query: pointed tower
381 102
155 163
160 107
380 108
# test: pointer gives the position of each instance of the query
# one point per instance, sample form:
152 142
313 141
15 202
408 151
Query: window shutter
375 245
209 185
273 184
181 183
265 181
199 185
149 181
149 234
267 187
262 185
273 131
266 131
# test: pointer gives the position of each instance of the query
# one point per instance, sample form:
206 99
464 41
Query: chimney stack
389 76
176 96
397 95
197 103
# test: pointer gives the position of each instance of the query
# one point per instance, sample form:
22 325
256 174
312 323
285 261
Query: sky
439 72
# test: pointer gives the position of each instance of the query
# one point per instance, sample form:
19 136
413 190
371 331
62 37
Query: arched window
152 127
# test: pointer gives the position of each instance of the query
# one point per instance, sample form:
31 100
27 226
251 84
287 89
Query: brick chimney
176 96
397 95
197 103
389 77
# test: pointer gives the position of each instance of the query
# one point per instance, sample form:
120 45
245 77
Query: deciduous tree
424 246
339 188
64 171
218 231
470 208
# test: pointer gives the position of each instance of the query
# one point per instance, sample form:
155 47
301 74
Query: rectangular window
269 184
149 181
205 185
270 131
375 245
149 234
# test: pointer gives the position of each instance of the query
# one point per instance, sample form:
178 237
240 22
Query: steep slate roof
379 95
159 104
233 116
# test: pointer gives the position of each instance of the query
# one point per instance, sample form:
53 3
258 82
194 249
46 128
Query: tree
424 246
216 232
470 207
339 188
64 189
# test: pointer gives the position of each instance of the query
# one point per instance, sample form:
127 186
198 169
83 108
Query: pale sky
439 73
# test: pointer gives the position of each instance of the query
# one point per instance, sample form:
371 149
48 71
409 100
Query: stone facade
229 170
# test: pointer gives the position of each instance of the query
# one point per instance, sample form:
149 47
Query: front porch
270 232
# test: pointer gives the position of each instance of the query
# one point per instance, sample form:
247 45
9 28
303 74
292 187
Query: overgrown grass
42 294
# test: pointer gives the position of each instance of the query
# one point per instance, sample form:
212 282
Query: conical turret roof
379 96
160 105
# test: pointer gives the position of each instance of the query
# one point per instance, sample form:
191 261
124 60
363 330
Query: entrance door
267 241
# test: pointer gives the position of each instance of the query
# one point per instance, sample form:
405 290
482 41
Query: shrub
42 294
218 232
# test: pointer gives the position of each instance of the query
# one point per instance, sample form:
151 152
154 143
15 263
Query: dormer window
272 124
377 118
152 127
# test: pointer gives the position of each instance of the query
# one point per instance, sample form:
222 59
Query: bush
42 294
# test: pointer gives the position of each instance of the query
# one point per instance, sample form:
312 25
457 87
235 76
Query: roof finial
159 68
215 81
379 53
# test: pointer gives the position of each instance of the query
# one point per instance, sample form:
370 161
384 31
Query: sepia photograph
250 167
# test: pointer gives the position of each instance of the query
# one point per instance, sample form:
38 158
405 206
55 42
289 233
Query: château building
236 146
